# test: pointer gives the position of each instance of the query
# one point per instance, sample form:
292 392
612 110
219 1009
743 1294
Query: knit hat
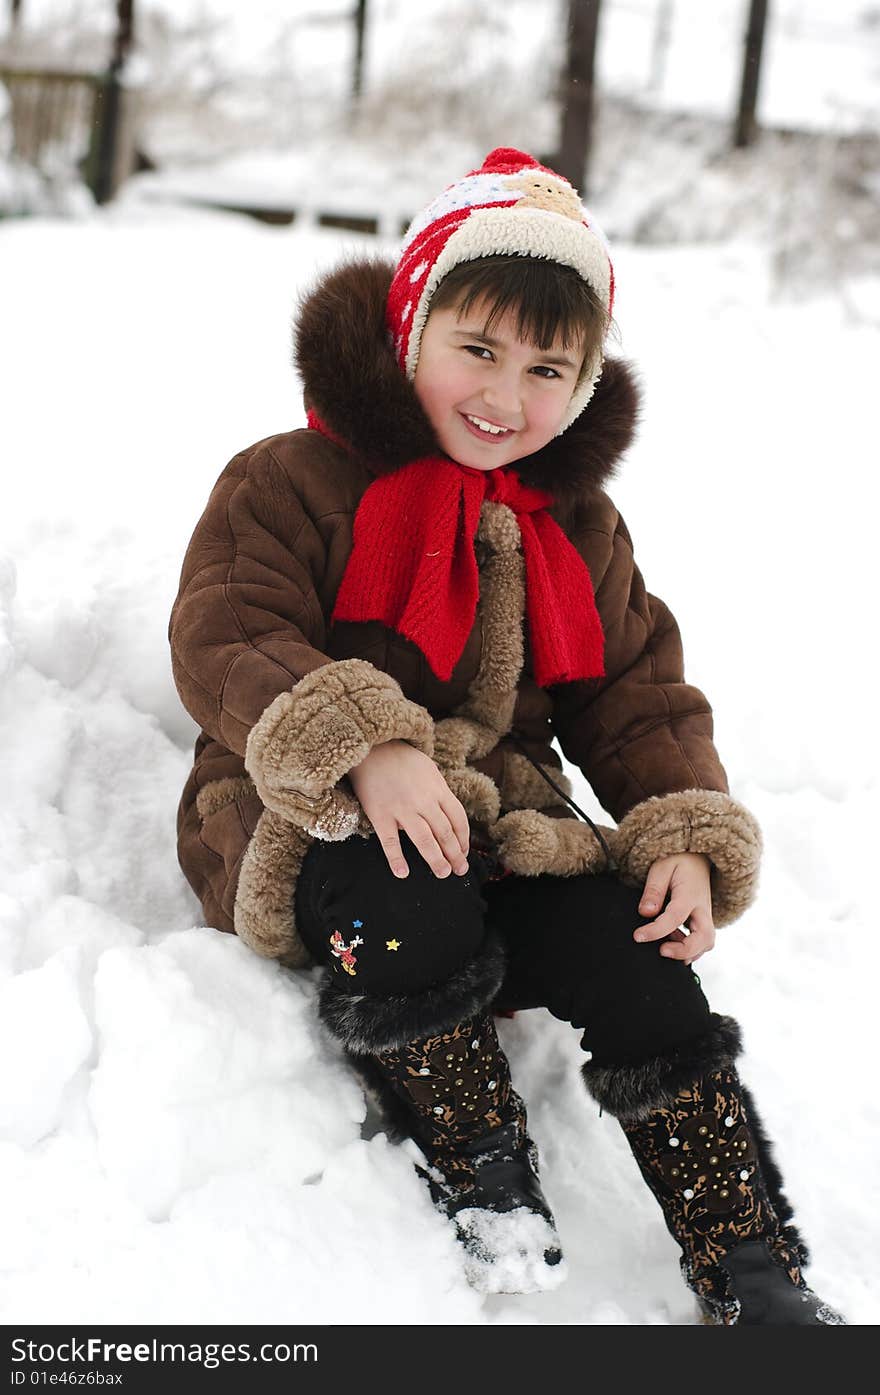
511 205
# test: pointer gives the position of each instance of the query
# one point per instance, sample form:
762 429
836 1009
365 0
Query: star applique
392 944
357 924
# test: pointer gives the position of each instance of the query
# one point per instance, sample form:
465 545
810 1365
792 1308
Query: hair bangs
550 301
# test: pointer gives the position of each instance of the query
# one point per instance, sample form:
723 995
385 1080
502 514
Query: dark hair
549 299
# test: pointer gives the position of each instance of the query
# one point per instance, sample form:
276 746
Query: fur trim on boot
773 1180
367 1024
632 1091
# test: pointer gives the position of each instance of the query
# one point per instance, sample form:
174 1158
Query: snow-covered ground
180 1142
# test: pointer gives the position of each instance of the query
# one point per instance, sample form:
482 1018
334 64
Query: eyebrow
497 344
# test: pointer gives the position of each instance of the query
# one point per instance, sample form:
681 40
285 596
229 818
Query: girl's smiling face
468 381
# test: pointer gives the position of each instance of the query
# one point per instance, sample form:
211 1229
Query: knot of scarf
413 566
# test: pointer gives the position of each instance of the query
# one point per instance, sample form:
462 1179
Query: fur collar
351 379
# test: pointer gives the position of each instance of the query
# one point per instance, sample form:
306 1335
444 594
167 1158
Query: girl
383 620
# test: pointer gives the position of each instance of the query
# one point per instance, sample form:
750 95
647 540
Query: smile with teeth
486 426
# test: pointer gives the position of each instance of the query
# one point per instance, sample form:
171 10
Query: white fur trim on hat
532 232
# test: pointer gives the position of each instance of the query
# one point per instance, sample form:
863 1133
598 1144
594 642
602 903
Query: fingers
455 812
439 846
655 890
674 915
390 843
700 938
688 931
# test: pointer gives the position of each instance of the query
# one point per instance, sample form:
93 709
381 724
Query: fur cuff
266 891
530 844
773 1180
309 738
698 821
632 1092
458 740
475 791
367 1023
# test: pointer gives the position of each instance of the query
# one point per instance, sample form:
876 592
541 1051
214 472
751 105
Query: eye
477 349
545 368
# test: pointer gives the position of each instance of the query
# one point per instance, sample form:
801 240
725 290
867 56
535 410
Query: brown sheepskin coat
287 704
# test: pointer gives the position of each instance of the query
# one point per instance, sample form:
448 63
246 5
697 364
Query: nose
502 395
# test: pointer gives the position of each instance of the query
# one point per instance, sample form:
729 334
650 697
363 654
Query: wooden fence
72 121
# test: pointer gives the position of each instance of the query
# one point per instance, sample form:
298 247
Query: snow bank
179 1142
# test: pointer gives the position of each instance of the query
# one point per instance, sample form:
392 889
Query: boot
702 1150
449 1090
482 1167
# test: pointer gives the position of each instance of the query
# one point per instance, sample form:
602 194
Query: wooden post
109 106
578 89
360 26
124 32
746 122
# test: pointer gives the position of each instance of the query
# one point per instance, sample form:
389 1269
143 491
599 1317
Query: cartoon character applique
343 951
539 190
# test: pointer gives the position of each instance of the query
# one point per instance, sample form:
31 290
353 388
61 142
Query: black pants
568 940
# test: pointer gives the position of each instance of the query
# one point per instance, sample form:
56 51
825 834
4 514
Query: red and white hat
512 205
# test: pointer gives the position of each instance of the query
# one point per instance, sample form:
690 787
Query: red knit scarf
413 567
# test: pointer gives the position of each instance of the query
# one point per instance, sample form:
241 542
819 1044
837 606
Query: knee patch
381 934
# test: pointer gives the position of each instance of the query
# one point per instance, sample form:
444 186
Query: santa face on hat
472 381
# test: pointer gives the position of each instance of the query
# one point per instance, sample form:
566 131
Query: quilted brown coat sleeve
246 624
247 632
643 736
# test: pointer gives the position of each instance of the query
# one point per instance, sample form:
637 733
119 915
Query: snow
507 1252
180 1142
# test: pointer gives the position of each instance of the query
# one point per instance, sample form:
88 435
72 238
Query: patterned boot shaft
482 1173
457 1088
701 1159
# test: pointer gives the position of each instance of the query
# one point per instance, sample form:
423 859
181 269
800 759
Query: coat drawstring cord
612 864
